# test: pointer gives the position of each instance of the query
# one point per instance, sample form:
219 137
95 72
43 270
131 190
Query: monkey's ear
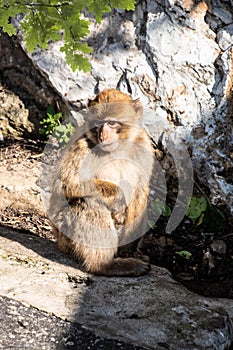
138 108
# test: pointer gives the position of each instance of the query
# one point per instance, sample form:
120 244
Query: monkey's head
113 116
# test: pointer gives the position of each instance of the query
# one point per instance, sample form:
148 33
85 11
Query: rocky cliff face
177 57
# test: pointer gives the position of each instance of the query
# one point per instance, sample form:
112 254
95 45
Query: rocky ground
56 305
208 272
26 327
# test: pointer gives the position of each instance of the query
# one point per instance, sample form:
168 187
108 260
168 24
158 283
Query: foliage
161 208
64 132
51 122
196 208
52 125
184 254
201 211
46 20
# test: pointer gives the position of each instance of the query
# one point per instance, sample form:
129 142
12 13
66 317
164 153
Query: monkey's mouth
108 146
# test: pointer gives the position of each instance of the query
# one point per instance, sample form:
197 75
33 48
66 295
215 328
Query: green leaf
76 61
38 31
70 128
47 20
50 110
166 210
161 208
8 28
57 117
43 132
60 128
64 132
6 12
185 254
196 207
200 219
75 29
51 123
98 8
157 207
122 4
105 6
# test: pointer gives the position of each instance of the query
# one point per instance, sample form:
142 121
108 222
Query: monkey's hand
115 201
119 219
100 193
112 196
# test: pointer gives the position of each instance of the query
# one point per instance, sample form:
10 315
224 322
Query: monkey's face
111 124
108 134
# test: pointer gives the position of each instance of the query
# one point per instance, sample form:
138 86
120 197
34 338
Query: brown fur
110 96
100 197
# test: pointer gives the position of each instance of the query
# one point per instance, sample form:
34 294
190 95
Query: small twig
37 155
33 4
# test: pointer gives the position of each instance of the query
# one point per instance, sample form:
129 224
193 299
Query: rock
21 115
149 311
19 181
14 119
177 58
225 37
27 330
219 246
174 56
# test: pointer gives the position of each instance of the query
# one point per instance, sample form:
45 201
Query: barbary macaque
100 191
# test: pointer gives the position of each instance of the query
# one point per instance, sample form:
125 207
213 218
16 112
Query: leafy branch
52 20
52 124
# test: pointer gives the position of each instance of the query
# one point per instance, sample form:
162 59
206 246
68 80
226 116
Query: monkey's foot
139 255
127 267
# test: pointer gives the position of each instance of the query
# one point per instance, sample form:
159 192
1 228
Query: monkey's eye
113 124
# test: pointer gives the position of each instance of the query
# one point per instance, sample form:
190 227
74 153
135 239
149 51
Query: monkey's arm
102 193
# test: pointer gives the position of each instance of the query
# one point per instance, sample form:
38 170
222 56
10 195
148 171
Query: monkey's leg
102 261
64 243
120 267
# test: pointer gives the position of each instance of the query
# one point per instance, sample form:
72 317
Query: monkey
101 187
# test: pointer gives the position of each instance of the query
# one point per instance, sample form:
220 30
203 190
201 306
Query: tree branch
34 4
